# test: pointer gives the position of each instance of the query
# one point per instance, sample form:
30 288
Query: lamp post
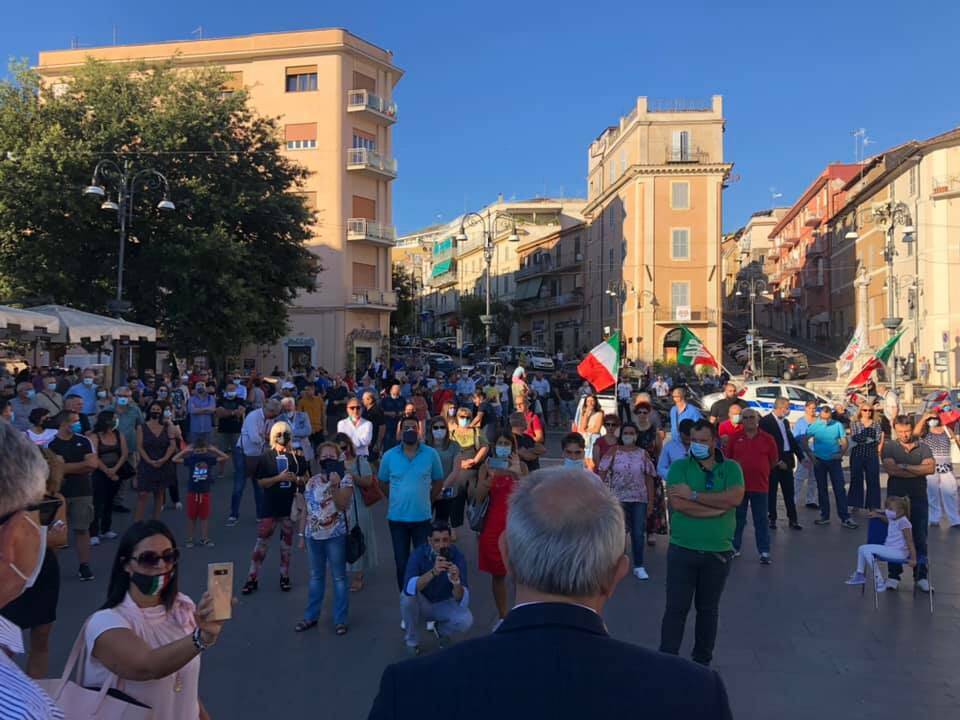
753 288
125 179
616 289
488 225
889 214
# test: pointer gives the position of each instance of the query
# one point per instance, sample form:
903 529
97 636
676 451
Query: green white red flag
693 352
879 360
601 366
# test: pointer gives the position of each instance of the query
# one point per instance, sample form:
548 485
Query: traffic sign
749 339
486 319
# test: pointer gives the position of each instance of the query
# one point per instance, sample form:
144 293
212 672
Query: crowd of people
320 451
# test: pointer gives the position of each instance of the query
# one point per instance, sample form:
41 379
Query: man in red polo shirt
534 426
731 428
756 452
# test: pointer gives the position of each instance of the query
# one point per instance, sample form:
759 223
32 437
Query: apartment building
746 264
333 93
654 208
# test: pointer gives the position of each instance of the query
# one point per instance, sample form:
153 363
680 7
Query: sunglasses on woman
439 427
150 558
611 424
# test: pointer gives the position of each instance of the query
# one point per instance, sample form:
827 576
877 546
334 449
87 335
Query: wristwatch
693 495
198 642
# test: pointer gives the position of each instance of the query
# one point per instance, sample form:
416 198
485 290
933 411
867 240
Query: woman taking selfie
149 635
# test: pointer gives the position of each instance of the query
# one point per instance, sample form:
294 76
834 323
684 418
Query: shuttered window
680 195
364 208
301 78
364 82
301 136
364 276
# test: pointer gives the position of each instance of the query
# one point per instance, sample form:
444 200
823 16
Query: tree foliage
473 306
405 317
218 272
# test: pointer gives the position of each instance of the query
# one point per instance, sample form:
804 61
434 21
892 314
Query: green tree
473 306
405 317
218 272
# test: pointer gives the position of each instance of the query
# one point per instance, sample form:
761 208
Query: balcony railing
792 263
363 229
370 296
548 265
690 314
366 101
812 279
818 246
365 159
554 302
686 155
946 187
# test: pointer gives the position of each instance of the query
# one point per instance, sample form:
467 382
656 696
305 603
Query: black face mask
410 437
329 465
283 438
155 416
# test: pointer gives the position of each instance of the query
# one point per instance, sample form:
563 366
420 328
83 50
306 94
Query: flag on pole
879 360
849 355
600 367
693 352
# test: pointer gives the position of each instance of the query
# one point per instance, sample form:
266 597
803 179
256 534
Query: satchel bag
298 508
356 543
373 494
80 703
477 513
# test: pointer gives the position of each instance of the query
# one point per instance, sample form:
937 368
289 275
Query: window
623 250
680 147
913 181
613 170
680 195
768 391
301 144
576 247
623 161
364 208
679 244
302 78
557 256
233 82
679 295
363 139
364 82
820 271
799 394
364 276
301 136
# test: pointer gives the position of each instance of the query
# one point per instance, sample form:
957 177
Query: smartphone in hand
220 587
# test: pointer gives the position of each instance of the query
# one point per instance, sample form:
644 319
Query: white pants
868 554
946 484
804 474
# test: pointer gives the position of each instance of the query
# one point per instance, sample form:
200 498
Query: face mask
31 394
451 412
409 437
53 386
123 401
18 575
154 416
101 394
167 414
439 434
735 419
151 585
628 439
503 451
946 408
161 393
230 394
463 422
76 427
202 390
933 423
88 381
569 463
283 438
699 450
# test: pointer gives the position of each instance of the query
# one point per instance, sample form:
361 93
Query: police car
761 395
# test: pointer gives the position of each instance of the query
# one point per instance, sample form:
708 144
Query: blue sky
506 96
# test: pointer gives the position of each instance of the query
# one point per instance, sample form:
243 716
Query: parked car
539 360
761 395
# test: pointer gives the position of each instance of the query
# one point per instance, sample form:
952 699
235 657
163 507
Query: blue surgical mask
88 381
230 394
735 419
51 386
570 463
31 394
699 450
123 401
463 422
77 427
503 451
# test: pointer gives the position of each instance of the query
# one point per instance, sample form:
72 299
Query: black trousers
693 577
916 490
782 478
104 490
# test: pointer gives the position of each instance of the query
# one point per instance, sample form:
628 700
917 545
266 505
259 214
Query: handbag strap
71 664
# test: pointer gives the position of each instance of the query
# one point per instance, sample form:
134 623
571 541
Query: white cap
287 386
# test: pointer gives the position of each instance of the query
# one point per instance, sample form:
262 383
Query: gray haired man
564 545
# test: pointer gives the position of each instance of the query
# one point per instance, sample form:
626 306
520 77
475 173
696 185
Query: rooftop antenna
198 32
114 34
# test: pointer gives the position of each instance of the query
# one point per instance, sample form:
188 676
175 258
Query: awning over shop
27 321
441 267
77 325
528 289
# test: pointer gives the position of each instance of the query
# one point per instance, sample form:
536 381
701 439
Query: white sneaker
923 585
640 574
403 624
94 540
110 535
892 583
431 625
178 506
881 586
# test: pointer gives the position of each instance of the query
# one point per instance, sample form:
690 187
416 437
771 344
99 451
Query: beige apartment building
654 209
333 93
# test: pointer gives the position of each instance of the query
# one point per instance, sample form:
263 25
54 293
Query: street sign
459 337
486 319
941 359
682 313
749 339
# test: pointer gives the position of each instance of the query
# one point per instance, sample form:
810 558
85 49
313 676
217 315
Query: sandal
340 629
250 586
285 583
304 625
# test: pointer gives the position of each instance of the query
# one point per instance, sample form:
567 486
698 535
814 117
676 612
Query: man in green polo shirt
704 490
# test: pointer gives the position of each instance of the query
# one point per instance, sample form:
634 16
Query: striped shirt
21 698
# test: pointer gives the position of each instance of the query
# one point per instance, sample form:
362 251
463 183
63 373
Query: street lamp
889 214
616 289
488 224
126 181
753 288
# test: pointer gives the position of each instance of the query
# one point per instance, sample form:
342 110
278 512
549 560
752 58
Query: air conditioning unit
579 257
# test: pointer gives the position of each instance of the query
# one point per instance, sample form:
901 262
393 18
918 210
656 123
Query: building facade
333 93
654 208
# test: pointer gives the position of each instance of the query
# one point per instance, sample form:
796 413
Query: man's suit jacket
549 660
769 425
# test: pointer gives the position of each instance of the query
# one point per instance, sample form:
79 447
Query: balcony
363 230
372 298
374 107
945 188
371 163
790 241
791 263
686 155
554 302
818 246
813 219
688 315
547 265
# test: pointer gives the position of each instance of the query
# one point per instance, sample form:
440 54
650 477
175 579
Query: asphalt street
794 641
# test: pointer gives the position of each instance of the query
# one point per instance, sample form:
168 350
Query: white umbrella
28 321
77 325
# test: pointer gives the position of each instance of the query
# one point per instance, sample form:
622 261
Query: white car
760 395
539 360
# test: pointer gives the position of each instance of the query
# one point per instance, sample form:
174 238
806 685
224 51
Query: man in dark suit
552 657
777 425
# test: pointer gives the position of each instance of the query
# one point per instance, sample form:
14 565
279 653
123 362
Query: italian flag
600 367
693 352
879 360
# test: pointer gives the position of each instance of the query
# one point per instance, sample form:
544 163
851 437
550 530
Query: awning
441 267
528 290
28 321
77 325
823 317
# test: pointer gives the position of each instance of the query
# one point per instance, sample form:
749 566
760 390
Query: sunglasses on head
150 558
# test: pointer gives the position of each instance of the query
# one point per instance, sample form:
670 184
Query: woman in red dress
497 477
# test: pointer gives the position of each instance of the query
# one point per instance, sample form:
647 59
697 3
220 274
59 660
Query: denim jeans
568 410
833 468
451 618
758 502
333 550
406 535
693 575
635 515
244 467
915 489
864 470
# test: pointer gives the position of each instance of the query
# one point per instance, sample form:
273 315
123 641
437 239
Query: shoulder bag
372 494
476 512
356 543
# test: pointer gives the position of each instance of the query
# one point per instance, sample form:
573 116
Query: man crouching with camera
435 589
